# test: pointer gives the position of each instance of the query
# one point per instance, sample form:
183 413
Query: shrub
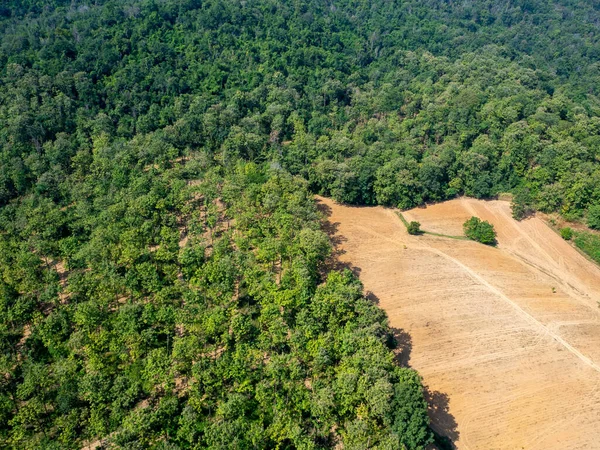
414 228
593 217
480 231
566 233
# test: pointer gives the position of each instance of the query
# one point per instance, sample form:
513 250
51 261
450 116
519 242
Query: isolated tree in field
480 231
414 228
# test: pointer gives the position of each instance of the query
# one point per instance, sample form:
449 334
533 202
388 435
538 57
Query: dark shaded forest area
163 275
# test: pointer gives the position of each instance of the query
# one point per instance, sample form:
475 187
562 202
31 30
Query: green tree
480 231
397 184
414 228
593 217
521 204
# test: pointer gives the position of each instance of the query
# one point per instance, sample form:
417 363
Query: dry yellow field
507 339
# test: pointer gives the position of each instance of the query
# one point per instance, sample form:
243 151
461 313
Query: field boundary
468 315
405 222
576 231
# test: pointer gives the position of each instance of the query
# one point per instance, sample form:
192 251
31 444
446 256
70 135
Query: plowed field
507 339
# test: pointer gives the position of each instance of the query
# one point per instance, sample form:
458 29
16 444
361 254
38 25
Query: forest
164 279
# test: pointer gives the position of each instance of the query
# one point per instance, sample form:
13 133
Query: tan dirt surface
507 339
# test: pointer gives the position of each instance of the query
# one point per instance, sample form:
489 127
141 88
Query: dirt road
507 339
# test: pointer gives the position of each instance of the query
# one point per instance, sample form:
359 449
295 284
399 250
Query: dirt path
507 339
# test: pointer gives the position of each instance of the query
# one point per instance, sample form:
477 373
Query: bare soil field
507 339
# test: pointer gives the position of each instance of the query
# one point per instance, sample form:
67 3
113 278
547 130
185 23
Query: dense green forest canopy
374 102
163 276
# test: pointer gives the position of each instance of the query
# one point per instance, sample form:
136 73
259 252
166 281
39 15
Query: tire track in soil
543 329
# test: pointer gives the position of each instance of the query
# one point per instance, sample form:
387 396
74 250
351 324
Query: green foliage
397 184
197 306
480 231
522 204
162 277
589 243
349 97
566 233
593 217
414 228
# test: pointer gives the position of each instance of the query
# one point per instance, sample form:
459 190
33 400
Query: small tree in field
414 228
480 231
566 233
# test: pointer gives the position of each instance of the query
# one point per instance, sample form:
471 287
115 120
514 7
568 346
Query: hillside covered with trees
163 275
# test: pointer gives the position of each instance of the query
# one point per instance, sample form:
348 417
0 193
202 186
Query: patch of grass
460 238
421 231
404 221
588 243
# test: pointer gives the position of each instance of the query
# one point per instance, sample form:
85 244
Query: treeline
348 95
162 274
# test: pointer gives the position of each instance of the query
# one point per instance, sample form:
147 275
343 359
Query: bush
566 233
593 217
480 231
414 228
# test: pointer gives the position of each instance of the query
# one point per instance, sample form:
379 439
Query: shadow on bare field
372 297
331 228
443 422
402 346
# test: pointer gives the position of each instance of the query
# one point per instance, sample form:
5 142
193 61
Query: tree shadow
372 297
402 346
443 422
337 240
